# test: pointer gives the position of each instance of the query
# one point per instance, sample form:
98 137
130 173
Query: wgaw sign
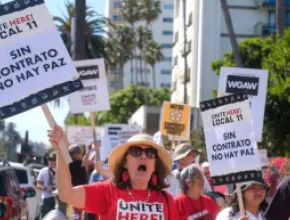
237 84
254 81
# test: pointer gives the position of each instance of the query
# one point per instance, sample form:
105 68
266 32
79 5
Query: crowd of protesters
143 181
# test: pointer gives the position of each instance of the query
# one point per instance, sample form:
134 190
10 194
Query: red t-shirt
111 203
204 208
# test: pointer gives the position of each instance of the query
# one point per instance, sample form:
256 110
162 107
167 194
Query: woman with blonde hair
139 168
191 203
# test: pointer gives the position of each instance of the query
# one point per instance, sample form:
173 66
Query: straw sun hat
119 152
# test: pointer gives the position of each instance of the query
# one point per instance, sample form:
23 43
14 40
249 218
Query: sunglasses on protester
51 159
137 151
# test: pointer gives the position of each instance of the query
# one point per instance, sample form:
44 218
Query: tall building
162 30
208 39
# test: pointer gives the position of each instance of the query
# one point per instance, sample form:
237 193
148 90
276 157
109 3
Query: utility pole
233 39
80 21
280 17
185 52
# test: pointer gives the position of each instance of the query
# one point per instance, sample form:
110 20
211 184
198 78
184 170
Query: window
168 6
272 18
167 46
167 85
168 20
114 84
175 61
190 19
176 36
166 72
117 18
167 59
22 176
287 18
143 84
117 5
168 33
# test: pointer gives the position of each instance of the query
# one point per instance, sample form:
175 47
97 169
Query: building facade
162 30
208 39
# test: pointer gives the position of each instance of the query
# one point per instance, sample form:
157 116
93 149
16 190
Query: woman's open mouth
142 168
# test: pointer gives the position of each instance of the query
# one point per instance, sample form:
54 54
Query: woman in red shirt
191 204
139 168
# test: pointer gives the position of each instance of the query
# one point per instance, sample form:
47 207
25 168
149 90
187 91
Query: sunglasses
137 151
51 159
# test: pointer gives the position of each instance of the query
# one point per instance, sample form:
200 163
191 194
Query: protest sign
230 139
263 154
35 66
116 134
95 96
254 81
83 134
175 120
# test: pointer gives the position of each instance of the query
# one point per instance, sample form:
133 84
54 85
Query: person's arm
172 211
207 187
68 194
106 173
214 207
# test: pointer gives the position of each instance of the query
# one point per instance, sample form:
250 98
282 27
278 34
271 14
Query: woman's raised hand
57 135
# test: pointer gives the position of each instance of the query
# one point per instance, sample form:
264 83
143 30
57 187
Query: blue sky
34 120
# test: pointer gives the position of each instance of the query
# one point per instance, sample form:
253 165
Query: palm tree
94 28
232 35
119 48
130 13
150 10
152 56
143 34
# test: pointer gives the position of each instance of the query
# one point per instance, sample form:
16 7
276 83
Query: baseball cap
246 185
182 151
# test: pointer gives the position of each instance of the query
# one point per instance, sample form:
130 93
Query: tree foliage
272 53
94 28
125 102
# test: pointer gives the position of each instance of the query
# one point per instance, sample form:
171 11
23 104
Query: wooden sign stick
63 148
240 197
93 126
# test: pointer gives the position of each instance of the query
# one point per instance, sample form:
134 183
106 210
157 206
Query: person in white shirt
46 184
184 156
254 197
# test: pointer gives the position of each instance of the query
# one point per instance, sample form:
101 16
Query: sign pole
172 144
240 197
63 148
93 126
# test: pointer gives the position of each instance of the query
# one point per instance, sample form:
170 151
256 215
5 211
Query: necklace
131 195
